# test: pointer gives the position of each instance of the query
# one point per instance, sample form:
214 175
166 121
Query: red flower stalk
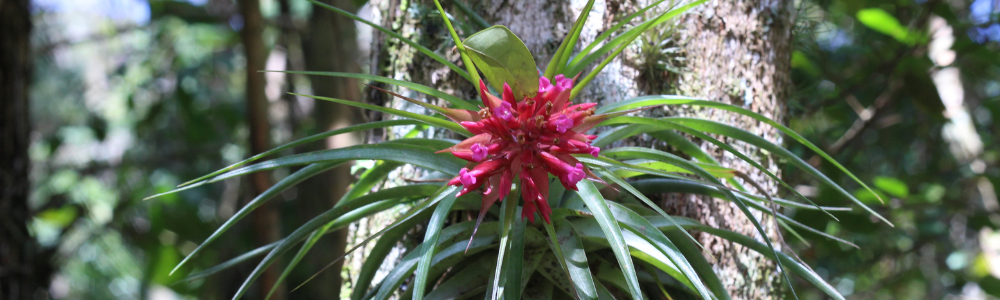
527 139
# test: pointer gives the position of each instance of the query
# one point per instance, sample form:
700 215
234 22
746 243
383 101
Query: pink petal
505 111
564 83
466 178
563 123
479 152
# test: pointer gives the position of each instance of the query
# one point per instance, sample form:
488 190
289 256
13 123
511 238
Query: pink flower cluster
526 139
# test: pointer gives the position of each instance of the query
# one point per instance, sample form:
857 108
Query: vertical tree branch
330 45
24 267
266 218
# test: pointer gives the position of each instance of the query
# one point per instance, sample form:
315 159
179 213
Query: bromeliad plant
530 150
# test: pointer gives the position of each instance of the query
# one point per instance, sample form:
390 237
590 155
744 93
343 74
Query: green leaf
667 124
792 265
680 100
431 236
673 185
654 186
623 43
589 194
391 33
456 101
363 186
553 271
716 171
471 280
423 157
704 174
881 21
305 140
405 114
576 261
231 263
753 139
508 211
367 181
474 79
645 200
698 262
562 54
892 186
340 216
607 33
515 261
645 230
475 17
277 188
446 257
386 243
503 58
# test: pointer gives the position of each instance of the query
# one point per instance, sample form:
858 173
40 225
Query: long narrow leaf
750 138
793 266
704 174
575 259
403 39
305 140
423 157
456 101
342 216
680 100
629 38
607 33
362 186
405 114
277 188
655 154
644 229
588 192
473 74
431 236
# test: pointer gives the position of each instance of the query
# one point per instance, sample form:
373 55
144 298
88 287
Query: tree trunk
330 46
739 53
266 219
736 52
24 267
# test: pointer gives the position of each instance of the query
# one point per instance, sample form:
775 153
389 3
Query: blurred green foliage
872 60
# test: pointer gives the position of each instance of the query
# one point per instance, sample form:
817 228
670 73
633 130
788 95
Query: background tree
25 264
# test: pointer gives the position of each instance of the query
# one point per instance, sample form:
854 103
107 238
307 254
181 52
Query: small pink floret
466 178
564 83
479 151
576 175
563 123
595 151
544 85
505 111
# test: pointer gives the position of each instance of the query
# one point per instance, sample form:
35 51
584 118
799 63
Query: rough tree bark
738 52
330 45
24 267
266 219
735 51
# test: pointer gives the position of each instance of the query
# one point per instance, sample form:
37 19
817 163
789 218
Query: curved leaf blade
681 100
503 58
599 207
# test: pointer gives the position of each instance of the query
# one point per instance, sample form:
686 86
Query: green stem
458 44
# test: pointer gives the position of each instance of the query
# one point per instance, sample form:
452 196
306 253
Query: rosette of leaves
569 254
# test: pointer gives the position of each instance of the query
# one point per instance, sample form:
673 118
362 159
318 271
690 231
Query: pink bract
526 139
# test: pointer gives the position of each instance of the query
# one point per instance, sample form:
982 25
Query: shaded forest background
128 98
